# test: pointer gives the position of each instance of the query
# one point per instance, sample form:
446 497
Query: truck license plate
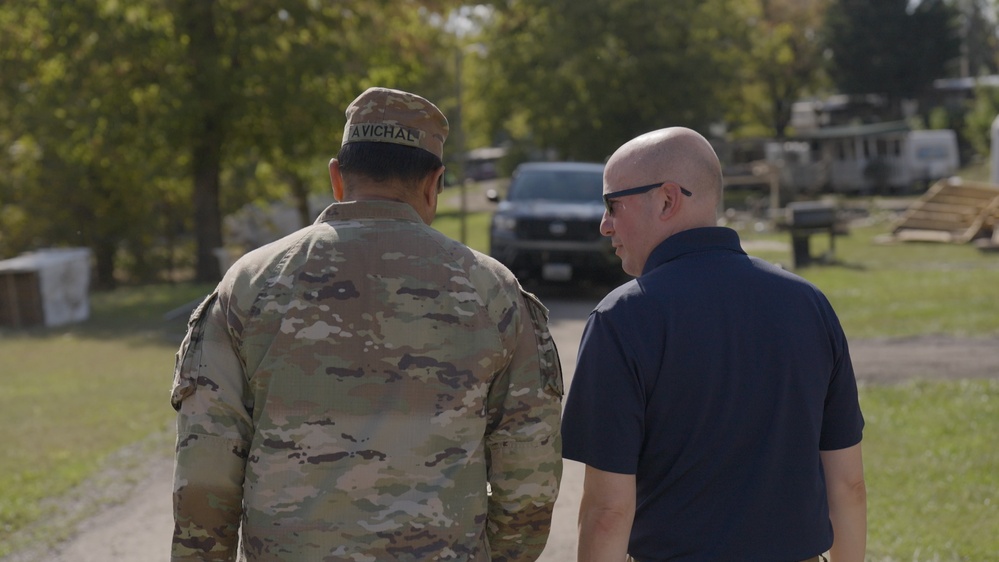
556 272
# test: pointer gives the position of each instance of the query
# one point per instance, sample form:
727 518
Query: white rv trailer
864 158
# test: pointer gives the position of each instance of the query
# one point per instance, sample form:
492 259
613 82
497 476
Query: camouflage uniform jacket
348 392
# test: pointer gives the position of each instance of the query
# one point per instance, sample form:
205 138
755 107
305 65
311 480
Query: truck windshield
569 186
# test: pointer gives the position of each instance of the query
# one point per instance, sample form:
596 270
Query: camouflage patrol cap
394 116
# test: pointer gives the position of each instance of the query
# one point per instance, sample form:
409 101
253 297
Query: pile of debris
953 211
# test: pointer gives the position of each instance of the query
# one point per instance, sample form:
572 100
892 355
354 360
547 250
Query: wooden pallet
952 211
990 244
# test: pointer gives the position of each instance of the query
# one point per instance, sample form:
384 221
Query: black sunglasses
610 197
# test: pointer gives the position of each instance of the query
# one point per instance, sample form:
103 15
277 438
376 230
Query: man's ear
336 179
434 185
671 201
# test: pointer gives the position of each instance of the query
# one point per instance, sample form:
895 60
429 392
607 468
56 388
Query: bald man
714 402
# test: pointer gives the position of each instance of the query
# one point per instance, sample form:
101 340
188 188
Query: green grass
71 397
449 221
883 290
878 289
931 456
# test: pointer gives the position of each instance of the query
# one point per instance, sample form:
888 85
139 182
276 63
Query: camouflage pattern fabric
397 117
348 393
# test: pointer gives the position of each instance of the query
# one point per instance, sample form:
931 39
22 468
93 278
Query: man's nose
606 225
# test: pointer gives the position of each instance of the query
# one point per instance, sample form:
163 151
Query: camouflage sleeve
213 432
525 445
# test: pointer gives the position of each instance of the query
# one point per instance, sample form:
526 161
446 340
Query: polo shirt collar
694 240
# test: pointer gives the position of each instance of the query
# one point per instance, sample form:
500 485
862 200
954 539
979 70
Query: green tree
783 61
891 47
980 55
978 121
78 90
126 125
263 78
298 67
583 76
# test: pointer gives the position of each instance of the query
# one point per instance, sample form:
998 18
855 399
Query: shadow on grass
143 314
830 263
158 314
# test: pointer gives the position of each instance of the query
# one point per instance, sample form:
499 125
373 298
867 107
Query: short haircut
381 161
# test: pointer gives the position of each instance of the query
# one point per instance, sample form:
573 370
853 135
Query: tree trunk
206 168
781 116
197 21
300 191
104 251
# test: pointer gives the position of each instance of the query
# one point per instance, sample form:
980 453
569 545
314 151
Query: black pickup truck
548 225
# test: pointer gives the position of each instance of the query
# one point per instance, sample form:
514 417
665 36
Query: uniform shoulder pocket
551 367
185 370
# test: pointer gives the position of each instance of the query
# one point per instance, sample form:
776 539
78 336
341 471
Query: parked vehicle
932 155
864 158
548 225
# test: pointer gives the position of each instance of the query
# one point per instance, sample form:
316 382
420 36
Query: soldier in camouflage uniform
366 388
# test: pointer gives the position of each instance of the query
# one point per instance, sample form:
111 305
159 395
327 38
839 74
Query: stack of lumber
953 211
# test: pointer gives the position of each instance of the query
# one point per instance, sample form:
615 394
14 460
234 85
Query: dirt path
887 361
138 527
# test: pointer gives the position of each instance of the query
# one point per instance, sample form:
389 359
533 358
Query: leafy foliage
783 60
76 141
127 126
980 40
887 47
132 127
586 75
978 121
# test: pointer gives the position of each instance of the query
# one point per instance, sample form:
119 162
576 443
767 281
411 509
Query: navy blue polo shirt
715 378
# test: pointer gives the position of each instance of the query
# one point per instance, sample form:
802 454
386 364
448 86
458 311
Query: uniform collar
710 238
352 210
